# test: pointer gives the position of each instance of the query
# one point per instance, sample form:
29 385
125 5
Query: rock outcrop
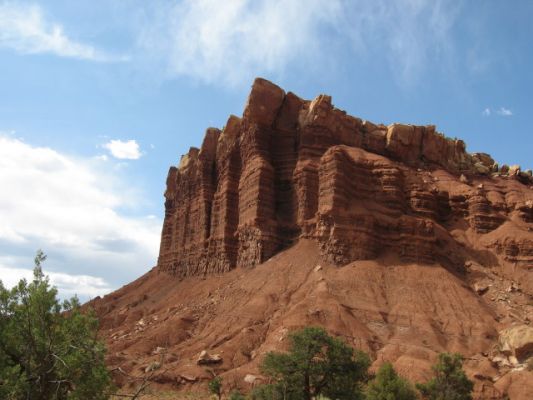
291 169
517 341
394 239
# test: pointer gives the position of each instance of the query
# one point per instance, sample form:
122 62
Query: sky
99 98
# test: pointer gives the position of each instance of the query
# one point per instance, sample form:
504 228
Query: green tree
316 365
274 391
48 350
236 395
388 385
450 381
215 386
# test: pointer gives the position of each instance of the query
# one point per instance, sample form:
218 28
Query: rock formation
393 238
291 169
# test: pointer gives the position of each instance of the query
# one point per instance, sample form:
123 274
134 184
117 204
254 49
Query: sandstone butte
392 237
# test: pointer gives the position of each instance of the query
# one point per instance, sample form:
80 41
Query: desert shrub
388 385
450 381
317 364
48 350
275 391
215 386
236 395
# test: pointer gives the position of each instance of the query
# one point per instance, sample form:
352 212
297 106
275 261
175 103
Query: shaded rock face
291 169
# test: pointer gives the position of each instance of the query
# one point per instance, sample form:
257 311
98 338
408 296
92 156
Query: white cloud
101 157
504 112
124 150
84 286
230 42
25 29
71 208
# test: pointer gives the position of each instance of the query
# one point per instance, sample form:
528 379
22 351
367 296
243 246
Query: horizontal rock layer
291 168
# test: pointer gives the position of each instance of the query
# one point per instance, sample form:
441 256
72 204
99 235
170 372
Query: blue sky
99 98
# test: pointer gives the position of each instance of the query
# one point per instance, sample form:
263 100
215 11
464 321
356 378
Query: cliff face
291 169
393 238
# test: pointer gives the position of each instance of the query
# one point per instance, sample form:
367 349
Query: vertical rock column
223 246
284 153
167 235
320 126
188 202
257 231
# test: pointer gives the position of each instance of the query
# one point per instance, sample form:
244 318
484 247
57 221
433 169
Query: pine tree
48 350
450 381
388 385
316 365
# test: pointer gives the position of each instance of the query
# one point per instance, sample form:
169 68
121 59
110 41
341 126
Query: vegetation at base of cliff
236 395
320 366
215 386
388 385
317 364
450 381
48 350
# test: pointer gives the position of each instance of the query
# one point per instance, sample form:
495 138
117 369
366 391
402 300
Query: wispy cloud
231 42
412 35
72 208
504 112
25 29
124 150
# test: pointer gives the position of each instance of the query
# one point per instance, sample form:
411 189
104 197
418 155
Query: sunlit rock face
292 168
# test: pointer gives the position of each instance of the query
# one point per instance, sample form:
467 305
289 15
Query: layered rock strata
291 168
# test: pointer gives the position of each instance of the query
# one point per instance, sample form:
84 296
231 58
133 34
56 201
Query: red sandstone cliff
291 169
394 238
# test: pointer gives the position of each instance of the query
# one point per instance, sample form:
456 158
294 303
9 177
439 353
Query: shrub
387 385
236 395
316 365
450 381
215 386
48 350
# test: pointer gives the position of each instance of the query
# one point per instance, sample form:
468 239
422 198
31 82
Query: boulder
517 341
152 367
481 288
404 142
252 379
188 378
514 170
264 101
483 158
205 358
482 168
